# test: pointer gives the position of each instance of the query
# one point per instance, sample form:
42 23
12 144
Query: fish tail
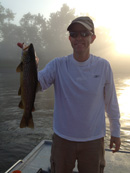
30 122
27 122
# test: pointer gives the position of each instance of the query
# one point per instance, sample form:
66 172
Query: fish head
28 54
25 56
31 51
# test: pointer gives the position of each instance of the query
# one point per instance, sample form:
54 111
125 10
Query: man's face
80 44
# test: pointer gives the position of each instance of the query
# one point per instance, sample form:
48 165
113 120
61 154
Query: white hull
39 157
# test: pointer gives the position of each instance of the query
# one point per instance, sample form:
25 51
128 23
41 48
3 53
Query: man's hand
117 142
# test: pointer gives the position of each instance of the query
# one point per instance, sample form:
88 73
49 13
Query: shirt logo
96 76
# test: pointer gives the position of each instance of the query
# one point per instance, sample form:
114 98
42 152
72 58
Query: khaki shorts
89 156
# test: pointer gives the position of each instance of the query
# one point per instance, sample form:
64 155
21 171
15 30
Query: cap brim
82 23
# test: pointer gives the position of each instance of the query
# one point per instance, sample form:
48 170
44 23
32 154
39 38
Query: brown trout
28 84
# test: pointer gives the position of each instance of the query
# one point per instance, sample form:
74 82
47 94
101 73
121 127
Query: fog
50 39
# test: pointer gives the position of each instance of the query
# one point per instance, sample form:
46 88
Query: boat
38 161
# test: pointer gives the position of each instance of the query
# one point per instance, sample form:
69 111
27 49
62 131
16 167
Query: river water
16 143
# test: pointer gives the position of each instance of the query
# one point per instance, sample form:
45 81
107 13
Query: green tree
49 36
56 35
9 33
33 30
6 15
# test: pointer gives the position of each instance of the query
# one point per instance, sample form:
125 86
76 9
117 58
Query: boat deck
40 158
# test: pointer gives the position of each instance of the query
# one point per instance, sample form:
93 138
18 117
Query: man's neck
81 57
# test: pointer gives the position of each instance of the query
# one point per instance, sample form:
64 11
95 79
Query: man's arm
112 110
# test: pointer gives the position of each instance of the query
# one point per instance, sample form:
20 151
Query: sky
112 14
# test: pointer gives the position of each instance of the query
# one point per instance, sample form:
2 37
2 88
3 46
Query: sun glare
124 99
112 14
121 40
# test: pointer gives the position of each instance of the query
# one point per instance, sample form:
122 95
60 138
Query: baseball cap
85 21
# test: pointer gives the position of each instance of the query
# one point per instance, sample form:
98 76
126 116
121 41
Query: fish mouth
26 48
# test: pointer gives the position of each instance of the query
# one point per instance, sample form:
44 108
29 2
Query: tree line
49 36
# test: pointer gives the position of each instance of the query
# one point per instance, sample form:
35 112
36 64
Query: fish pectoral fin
21 105
20 67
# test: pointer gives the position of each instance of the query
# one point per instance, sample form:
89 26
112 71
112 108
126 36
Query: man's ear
69 38
93 37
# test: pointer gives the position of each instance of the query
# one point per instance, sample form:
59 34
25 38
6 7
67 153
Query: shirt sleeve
111 104
46 77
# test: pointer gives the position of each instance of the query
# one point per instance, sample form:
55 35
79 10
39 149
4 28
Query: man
84 90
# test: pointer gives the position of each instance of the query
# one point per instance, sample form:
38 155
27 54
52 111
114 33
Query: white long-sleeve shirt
83 92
